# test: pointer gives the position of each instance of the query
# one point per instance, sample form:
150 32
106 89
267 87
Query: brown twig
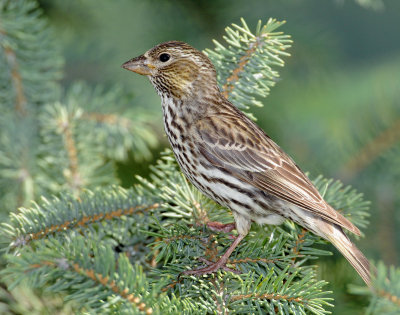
20 98
228 87
20 107
74 177
153 261
104 281
372 150
11 57
84 221
392 298
300 240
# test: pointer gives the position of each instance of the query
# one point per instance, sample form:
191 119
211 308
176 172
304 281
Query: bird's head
176 69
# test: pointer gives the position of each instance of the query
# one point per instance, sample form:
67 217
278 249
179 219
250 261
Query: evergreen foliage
30 64
246 67
51 143
113 250
385 296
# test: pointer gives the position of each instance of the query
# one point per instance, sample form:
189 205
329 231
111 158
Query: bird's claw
211 268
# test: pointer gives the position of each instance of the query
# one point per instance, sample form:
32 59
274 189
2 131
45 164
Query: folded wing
242 148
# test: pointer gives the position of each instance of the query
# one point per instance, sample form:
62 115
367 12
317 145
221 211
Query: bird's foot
220 264
220 227
211 267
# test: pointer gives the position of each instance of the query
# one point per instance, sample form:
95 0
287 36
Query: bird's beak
138 65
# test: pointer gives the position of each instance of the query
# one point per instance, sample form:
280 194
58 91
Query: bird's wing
242 148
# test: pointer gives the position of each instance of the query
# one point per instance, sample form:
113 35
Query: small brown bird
230 159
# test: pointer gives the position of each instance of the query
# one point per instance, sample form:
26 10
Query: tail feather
355 257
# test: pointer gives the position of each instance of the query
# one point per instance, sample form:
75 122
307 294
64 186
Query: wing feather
240 146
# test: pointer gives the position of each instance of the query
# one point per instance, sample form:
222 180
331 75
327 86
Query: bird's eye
164 57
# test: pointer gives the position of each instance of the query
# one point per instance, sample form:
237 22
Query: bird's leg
220 227
213 267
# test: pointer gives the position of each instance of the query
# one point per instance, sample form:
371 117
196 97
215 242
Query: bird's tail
355 257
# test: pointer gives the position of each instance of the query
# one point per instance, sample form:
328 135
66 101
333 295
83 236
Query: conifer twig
372 150
219 298
252 260
300 240
81 223
228 87
74 177
392 298
246 66
11 57
99 279
179 237
123 292
108 119
269 296
26 188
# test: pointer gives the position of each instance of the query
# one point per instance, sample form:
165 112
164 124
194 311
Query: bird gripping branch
230 159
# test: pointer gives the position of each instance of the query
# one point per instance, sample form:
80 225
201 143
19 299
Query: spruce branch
18 150
118 126
375 148
299 241
20 99
278 294
69 244
30 64
73 178
385 298
29 58
88 270
66 213
249 293
245 67
71 155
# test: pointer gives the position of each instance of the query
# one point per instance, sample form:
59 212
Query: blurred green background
336 109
